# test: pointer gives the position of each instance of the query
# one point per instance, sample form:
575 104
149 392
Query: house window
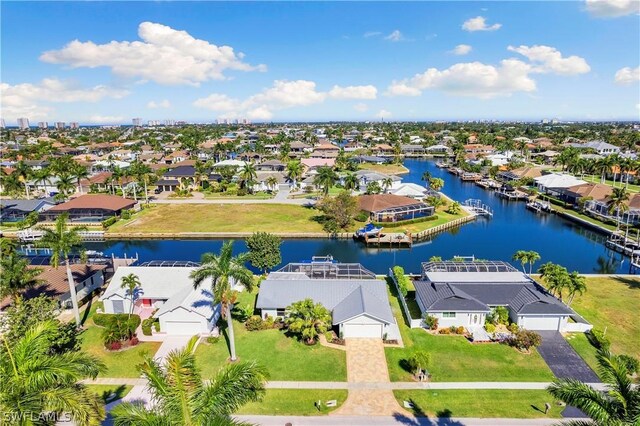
448 315
279 312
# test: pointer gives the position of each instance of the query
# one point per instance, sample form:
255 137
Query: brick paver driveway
366 363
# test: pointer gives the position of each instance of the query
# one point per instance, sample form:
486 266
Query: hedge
401 279
104 320
405 222
108 222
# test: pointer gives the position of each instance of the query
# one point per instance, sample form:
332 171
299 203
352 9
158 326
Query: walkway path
399 419
367 365
295 201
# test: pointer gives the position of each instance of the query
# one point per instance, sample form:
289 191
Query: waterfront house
590 191
601 147
166 293
17 210
89 208
365 177
600 209
412 190
553 183
464 293
393 208
357 300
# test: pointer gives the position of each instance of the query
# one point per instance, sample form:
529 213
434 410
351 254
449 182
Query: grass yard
232 196
443 217
611 303
387 169
521 404
119 364
110 393
454 359
175 218
294 402
596 179
284 357
584 217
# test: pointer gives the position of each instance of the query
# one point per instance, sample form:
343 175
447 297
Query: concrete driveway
563 360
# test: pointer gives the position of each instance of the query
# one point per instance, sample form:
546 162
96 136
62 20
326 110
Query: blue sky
320 61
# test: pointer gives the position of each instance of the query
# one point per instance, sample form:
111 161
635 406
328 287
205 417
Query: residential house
89 208
600 209
365 177
601 147
393 208
554 183
271 166
590 191
17 210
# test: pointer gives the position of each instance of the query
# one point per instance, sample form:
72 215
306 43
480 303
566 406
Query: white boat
368 230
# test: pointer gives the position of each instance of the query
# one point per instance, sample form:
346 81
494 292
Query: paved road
563 360
293 201
389 420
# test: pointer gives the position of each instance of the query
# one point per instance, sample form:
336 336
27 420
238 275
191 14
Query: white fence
576 327
413 323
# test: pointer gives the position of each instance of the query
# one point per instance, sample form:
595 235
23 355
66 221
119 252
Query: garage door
362 330
542 323
183 327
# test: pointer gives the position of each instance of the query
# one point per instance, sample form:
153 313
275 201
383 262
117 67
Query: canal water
512 228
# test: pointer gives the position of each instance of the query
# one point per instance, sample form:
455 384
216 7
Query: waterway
513 227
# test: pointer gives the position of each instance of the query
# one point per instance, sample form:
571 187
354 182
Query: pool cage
171 263
466 266
330 270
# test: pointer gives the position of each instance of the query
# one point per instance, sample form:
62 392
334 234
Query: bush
632 364
108 222
156 326
524 340
513 327
362 216
133 341
147 324
101 320
490 327
460 330
126 214
401 279
213 339
419 361
444 331
598 339
119 327
254 323
431 322
241 192
114 346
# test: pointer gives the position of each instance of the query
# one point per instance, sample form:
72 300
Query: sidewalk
400 420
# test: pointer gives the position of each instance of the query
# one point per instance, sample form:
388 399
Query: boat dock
473 177
389 239
515 195
477 207
539 206
488 184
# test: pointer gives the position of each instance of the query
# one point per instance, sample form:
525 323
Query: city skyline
262 62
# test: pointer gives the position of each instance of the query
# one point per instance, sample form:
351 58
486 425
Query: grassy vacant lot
520 404
110 393
387 169
611 303
294 402
454 359
119 364
285 357
443 217
173 218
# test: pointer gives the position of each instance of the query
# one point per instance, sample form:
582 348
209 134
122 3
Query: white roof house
557 181
181 309
412 190
232 163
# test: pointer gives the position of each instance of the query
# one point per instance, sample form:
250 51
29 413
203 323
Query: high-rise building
43 125
74 125
137 122
60 125
23 123
169 122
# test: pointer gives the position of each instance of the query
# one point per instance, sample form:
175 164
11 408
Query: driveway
563 360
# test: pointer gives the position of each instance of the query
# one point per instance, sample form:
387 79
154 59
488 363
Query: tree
264 250
576 285
33 380
436 183
272 182
294 171
338 211
556 277
16 276
426 176
350 181
522 257
62 241
386 183
308 320
224 270
419 361
248 175
79 172
454 208
619 405
618 202
532 258
65 185
182 398
132 284
373 188
325 179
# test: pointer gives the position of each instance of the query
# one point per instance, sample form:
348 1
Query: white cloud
361 107
383 113
461 49
371 34
549 59
402 88
396 35
627 75
164 55
25 100
479 23
612 8
353 92
161 104
282 95
106 119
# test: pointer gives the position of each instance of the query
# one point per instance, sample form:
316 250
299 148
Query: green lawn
584 217
106 391
596 179
584 348
454 359
285 357
610 303
119 364
521 404
294 402
387 169
174 218
227 196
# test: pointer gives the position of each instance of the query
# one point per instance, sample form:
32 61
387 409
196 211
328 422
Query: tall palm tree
532 258
247 175
386 183
79 172
63 240
132 284
271 182
10 183
182 398
556 277
294 171
42 176
619 405
35 380
577 285
23 172
15 276
65 185
618 202
224 270
325 179
350 181
522 257
426 176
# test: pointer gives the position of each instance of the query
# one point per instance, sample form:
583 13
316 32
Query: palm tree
426 176
15 276
65 185
23 172
247 175
132 284
224 269
62 241
386 183
325 179
436 183
35 380
308 319
618 406
182 398
522 257
556 277
43 177
79 172
577 285
618 202
294 171
271 182
532 258
350 181
10 183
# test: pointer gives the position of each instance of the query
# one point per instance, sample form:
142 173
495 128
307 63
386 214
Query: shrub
513 327
362 216
114 346
241 192
108 222
213 339
133 341
499 315
401 279
101 320
632 364
453 329
431 322
419 361
524 340
490 327
444 331
460 330
119 327
254 323
147 324
598 339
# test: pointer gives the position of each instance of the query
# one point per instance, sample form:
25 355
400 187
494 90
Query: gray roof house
357 300
463 293
17 210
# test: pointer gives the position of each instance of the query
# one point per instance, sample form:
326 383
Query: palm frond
135 414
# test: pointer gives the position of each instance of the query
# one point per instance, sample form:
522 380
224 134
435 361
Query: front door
475 319
146 303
